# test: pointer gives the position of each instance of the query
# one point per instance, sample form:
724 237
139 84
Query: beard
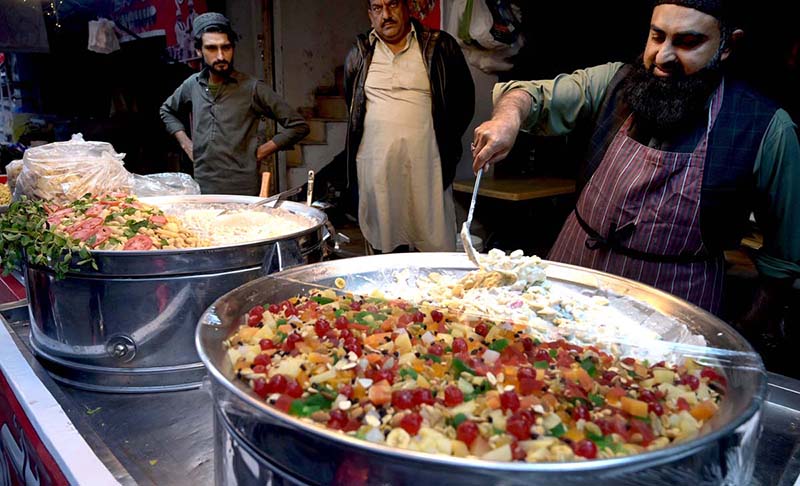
666 103
220 68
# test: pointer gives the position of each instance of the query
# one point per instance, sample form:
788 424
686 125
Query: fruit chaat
424 377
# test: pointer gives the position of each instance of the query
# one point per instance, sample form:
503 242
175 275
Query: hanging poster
171 18
429 12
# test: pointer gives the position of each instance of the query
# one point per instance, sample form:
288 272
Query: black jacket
452 91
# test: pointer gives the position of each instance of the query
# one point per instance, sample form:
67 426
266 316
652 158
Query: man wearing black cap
226 106
679 156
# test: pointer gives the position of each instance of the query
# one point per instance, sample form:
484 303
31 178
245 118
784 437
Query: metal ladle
466 238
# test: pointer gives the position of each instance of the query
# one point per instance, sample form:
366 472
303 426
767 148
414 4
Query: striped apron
638 217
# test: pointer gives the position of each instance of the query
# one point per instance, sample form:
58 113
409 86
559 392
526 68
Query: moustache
387 22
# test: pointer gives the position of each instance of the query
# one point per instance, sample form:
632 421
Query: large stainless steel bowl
256 443
128 326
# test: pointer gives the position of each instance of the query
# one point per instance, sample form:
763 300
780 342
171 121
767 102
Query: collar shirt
225 131
401 201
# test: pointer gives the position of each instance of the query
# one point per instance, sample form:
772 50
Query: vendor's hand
266 150
493 140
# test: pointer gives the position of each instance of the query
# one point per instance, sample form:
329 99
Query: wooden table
518 189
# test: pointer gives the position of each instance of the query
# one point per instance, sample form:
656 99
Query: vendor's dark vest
728 185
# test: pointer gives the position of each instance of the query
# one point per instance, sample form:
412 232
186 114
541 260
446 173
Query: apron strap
613 242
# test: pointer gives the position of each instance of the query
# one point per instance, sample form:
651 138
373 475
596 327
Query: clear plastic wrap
64 171
164 184
12 171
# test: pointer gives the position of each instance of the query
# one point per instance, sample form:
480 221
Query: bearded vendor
679 156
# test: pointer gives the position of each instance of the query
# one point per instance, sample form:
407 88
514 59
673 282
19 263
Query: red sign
172 17
429 12
24 459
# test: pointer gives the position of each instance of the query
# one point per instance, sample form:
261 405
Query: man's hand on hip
494 139
186 144
266 150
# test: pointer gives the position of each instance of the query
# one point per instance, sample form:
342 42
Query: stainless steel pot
257 444
127 326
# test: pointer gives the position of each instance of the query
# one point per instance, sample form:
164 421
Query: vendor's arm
550 107
777 175
273 106
170 112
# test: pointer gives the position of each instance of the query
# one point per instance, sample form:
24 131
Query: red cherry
261 359
580 412
284 402
341 323
526 373
291 340
402 399
459 346
647 396
411 423
418 316
259 369
527 344
355 305
277 384
423 396
542 355
453 396
290 310
253 320
274 309
435 349
482 329
338 419
321 327
352 344
437 316
517 426
467 432
585 448
713 376
683 404
606 377
656 408
380 375
691 381
260 387
266 344
509 401
293 389
530 385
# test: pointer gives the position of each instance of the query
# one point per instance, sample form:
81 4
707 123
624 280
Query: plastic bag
12 171
488 36
62 172
102 37
165 184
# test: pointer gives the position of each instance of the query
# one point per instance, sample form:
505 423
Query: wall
246 21
312 38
